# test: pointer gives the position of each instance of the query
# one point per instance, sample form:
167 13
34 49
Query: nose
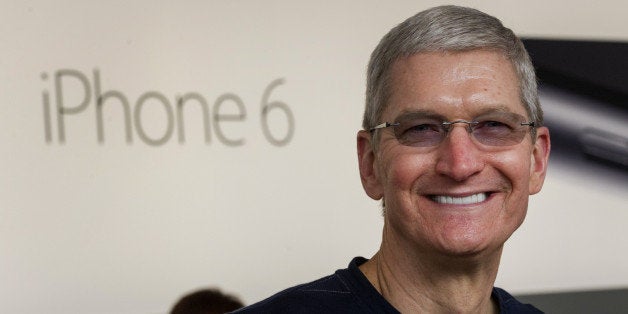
458 156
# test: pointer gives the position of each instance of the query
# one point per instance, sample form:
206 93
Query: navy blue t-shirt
349 291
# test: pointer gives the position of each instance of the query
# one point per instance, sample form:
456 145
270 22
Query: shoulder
346 291
509 305
323 295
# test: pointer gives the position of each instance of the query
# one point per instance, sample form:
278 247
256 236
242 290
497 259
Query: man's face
460 197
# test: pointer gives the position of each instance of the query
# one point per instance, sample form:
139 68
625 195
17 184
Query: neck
415 282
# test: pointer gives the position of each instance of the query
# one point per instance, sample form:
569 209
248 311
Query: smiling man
453 145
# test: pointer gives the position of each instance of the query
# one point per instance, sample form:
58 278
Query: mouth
462 200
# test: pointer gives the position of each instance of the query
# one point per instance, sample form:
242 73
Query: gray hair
447 28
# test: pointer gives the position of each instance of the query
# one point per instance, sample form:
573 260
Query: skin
443 258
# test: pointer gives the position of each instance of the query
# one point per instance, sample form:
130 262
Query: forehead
455 84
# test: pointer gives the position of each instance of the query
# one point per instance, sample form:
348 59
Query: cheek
515 167
403 170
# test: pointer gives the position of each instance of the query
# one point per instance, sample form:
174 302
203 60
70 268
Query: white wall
113 227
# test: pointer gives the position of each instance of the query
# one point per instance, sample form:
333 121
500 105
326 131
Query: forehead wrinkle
466 72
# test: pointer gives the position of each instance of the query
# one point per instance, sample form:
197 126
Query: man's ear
539 160
368 171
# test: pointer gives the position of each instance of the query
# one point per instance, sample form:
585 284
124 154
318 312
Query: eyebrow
495 109
431 114
420 113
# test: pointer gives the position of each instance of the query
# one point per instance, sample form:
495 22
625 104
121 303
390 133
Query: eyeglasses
429 130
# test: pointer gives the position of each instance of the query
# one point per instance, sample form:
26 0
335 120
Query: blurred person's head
206 301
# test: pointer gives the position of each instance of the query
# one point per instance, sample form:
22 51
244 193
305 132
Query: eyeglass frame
447 125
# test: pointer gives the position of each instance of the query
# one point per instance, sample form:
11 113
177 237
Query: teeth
471 199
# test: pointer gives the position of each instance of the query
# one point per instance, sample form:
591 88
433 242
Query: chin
471 244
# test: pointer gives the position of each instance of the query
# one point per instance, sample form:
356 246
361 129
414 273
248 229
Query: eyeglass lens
492 129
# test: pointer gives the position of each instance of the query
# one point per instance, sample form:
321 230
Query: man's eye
493 125
423 128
